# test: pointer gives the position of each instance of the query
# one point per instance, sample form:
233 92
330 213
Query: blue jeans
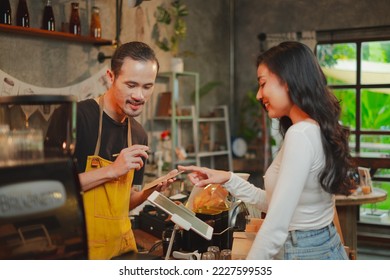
319 244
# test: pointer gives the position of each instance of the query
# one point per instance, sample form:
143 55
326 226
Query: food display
211 200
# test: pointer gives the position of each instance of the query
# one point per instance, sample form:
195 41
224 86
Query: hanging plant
170 28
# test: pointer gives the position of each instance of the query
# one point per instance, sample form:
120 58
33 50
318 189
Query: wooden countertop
147 241
376 195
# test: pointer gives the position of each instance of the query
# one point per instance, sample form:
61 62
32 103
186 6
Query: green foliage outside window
374 103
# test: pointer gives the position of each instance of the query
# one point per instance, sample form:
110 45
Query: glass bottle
96 28
5 12
74 22
22 15
48 21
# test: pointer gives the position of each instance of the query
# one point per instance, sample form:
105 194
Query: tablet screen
184 213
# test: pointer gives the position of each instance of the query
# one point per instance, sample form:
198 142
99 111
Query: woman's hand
128 159
202 176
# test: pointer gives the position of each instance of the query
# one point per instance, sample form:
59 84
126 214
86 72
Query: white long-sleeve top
293 197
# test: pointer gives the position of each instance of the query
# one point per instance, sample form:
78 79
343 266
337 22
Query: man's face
133 86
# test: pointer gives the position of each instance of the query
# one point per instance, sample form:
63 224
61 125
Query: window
358 71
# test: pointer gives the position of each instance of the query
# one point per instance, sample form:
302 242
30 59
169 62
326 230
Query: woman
311 166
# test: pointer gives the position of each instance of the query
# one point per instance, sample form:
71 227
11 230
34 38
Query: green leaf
172 20
162 15
206 88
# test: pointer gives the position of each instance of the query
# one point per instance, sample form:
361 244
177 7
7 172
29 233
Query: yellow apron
107 207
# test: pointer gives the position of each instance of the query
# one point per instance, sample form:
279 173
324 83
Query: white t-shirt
293 197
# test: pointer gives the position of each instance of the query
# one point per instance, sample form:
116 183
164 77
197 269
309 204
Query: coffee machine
41 210
225 223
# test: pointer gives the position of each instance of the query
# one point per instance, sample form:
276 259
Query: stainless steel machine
41 211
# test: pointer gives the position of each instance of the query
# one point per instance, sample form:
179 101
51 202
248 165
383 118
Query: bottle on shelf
48 20
22 15
96 28
74 22
5 12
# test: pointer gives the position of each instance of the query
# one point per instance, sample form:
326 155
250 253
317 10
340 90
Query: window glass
375 109
338 61
375 144
352 143
374 212
375 63
347 98
365 105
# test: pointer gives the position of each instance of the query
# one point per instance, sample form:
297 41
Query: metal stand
169 250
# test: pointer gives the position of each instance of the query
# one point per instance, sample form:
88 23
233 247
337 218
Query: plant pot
177 64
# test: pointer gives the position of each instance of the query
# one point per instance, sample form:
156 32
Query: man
111 150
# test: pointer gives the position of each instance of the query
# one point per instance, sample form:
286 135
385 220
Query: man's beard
130 112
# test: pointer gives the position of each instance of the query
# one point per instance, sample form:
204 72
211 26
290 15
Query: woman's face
272 93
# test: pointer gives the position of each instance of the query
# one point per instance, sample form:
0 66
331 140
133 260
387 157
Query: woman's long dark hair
295 64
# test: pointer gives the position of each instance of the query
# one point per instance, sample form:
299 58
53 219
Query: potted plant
170 30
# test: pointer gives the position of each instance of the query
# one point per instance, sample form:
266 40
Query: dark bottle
74 22
5 12
22 15
48 21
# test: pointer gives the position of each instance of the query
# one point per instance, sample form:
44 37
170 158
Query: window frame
359 36
358 87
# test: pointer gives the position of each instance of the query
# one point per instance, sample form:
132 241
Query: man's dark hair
135 50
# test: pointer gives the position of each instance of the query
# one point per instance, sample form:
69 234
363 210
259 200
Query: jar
5 12
56 132
96 28
48 21
22 15
74 22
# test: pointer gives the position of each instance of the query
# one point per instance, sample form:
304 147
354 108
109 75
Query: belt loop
330 229
294 238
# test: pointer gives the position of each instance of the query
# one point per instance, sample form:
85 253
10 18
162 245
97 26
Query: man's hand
137 198
128 159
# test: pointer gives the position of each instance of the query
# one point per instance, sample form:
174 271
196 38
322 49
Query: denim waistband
295 234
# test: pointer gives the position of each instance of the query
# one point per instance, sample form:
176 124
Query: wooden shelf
247 165
62 36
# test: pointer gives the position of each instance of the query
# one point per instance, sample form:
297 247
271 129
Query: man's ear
110 76
286 87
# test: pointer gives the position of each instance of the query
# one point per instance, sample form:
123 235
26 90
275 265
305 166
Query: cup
226 254
208 256
215 250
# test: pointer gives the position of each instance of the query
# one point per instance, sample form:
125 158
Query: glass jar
5 12
96 27
48 21
74 22
57 132
22 15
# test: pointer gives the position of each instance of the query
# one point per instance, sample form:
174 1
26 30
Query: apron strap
98 142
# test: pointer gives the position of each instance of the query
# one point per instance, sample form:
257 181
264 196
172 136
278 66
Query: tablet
160 180
181 215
